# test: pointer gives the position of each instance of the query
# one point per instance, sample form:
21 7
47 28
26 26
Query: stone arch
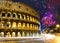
9 14
18 16
19 24
8 24
14 24
3 14
14 15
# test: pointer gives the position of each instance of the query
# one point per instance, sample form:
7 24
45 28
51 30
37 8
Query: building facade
18 20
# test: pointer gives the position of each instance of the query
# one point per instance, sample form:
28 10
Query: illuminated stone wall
18 20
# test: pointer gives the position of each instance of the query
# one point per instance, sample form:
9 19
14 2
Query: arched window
19 34
22 16
33 19
8 24
23 24
30 18
14 24
27 9
27 17
2 24
3 15
19 6
2 34
28 25
18 16
8 15
13 34
33 26
14 15
19 24
31 33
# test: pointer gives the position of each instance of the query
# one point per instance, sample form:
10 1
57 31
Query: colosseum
18 20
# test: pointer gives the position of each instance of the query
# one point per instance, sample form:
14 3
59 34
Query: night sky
38 5
46 8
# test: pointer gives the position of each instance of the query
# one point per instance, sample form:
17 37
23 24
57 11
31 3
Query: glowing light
57 40
57 25
51 15
49 36
48 20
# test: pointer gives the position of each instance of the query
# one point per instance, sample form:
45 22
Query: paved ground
53 40
43 39
22 40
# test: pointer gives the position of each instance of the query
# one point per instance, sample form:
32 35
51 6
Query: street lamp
57 25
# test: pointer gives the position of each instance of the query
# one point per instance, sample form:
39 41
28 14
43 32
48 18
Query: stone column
37 34
33 19
27 34
33 34
35 26
23 34
28 25
8 34
30 18
24 17
20 16
16 25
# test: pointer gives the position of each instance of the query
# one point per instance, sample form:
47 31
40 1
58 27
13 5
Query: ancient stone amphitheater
18 20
